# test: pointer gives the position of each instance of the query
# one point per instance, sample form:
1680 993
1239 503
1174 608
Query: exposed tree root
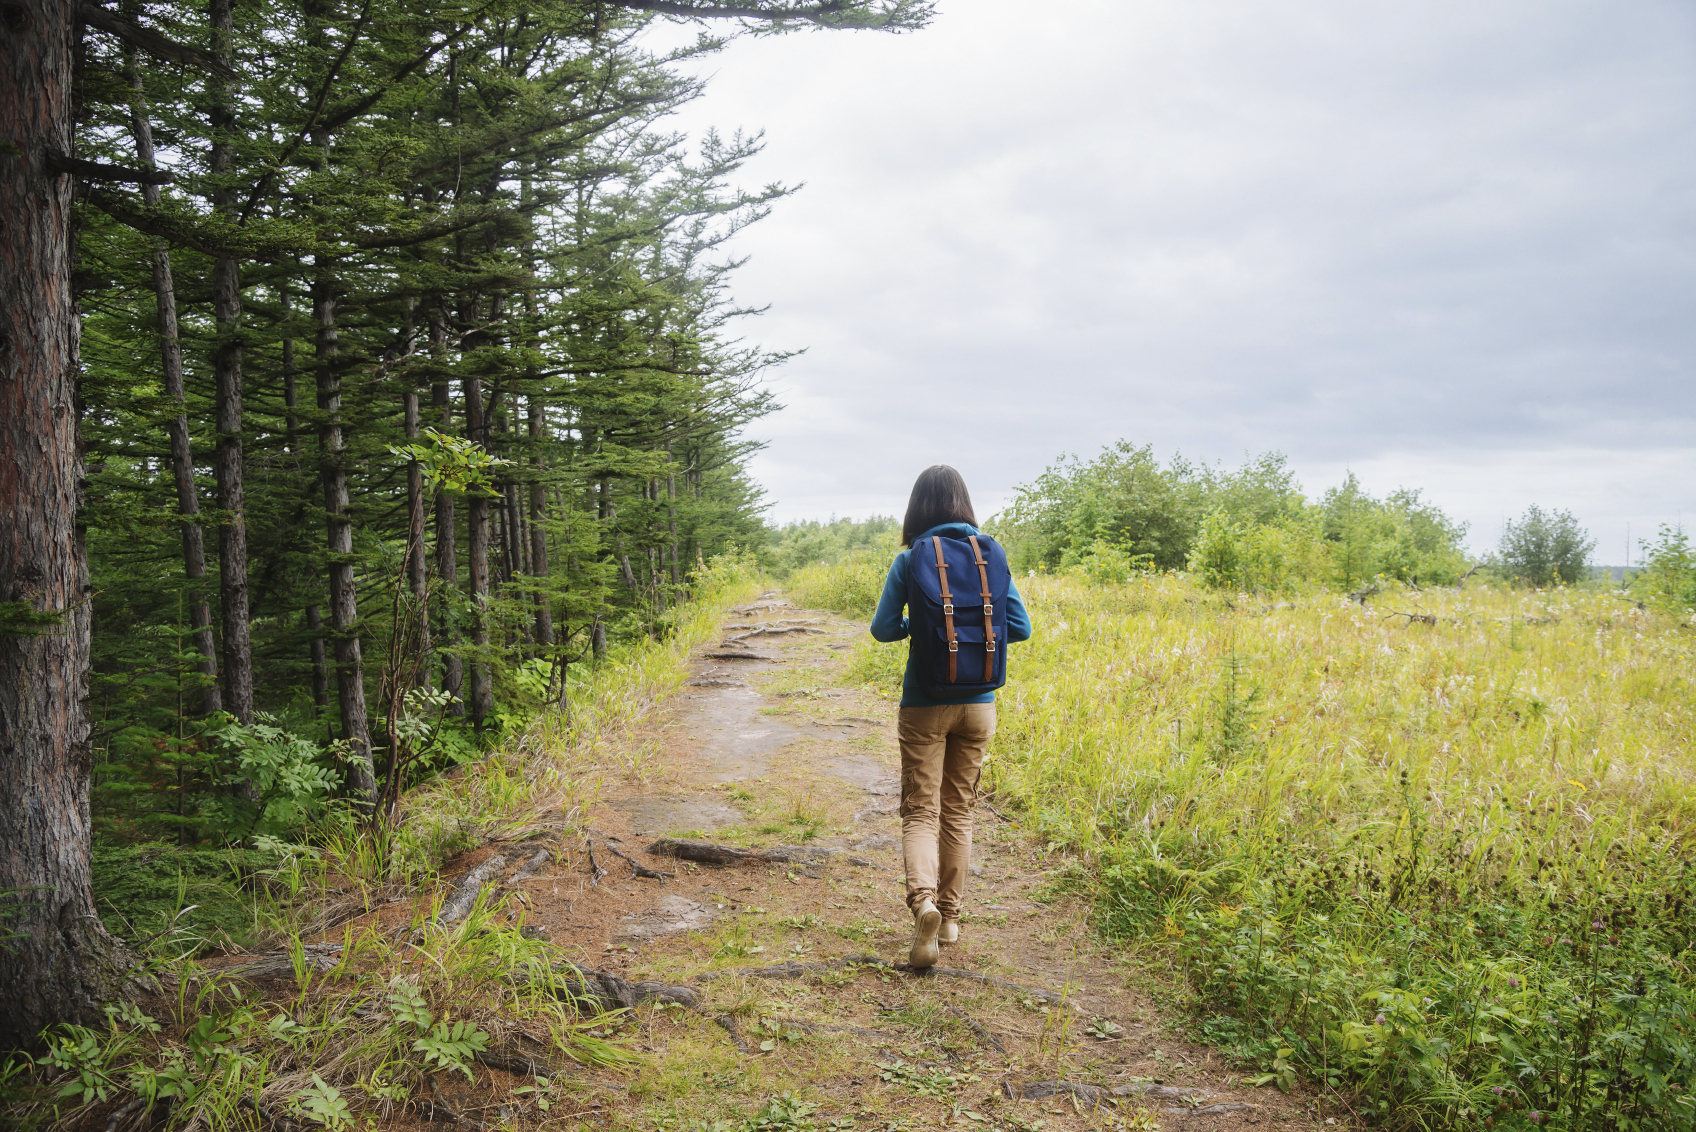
442 1114
794 970
317 957
123 1113
1214 1109
595 870
1158 1092
1051 998
464 896
711 853
508 1061
983 1032
727 1023
536 861
640 869
607 991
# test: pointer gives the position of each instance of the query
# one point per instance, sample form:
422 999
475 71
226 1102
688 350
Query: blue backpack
957 615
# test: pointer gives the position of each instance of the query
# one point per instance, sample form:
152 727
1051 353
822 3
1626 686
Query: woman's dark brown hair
939 496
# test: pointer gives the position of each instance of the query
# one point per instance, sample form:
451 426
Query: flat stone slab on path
672 915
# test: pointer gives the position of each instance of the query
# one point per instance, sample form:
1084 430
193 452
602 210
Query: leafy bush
1542 548
216 781
796 546
1667 582
1423 975
1248 529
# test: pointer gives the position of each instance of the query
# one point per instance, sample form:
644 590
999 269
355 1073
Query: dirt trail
767 746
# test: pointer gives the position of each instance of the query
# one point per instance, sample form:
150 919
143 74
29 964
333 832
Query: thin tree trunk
671 514
313 612
320 665
182 457
227 376
447 554
344 603
539 527
58 963
477 553
415 550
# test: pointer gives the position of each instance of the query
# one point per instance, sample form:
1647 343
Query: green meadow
1431 851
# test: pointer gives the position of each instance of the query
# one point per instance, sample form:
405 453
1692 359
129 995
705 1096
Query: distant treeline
1251 528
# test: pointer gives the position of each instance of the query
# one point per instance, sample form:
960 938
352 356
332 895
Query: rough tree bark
227 375
171 369
344 598
58 963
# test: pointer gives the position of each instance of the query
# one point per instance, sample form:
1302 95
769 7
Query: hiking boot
950 932
927 921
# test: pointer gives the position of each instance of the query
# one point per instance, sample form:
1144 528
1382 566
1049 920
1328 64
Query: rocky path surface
793 962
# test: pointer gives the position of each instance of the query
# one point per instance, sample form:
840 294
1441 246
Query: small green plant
324 1104
940 1083
1104 1030
1283 1072
444 1044
541 1093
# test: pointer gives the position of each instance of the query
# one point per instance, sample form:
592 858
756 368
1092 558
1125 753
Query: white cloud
1449 243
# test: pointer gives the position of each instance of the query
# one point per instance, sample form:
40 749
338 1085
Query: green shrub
1543 548
140 889
1667 582
1425 978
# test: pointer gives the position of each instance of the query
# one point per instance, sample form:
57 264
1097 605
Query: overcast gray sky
1449 245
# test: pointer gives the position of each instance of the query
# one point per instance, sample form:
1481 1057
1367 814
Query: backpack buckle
948 609
953 646
988 609
990 647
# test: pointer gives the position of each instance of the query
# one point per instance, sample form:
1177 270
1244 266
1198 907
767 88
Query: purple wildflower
1535 1116
1513 982
1379 1021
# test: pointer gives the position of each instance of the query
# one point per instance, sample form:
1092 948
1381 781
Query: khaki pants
942 752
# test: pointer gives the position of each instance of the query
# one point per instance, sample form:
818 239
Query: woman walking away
962 612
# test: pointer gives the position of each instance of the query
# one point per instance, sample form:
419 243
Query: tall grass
1435 852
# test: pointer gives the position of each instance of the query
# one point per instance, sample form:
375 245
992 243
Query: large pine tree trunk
227 374
182 456
58 964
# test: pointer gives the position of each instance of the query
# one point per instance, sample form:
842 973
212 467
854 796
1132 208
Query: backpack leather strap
988 611
947 612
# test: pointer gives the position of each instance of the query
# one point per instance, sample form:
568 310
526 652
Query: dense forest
411 387
407 380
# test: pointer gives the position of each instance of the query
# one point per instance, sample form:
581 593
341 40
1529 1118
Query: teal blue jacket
889 623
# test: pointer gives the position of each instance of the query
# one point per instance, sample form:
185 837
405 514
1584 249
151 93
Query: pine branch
150 41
